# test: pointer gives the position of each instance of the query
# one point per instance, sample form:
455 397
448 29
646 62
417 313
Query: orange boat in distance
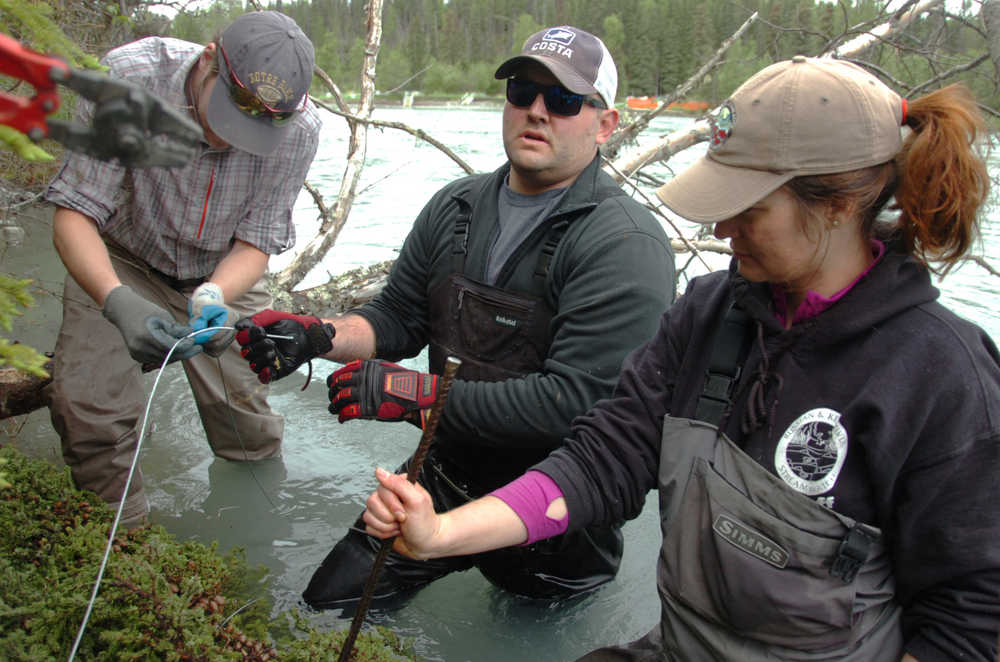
642 103
689 106
651 103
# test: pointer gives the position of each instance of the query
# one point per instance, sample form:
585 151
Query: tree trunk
316 249
990 12
21 393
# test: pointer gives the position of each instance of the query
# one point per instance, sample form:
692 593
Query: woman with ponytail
824 435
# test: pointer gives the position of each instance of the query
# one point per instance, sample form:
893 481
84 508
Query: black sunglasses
558 100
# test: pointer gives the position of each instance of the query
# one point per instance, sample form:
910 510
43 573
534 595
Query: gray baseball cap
579 61
266 65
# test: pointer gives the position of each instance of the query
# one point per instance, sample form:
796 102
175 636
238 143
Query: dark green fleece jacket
609 281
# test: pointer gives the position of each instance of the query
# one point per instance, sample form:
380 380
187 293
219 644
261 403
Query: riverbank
159 597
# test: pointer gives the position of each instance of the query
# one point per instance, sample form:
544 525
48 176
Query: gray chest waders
749 569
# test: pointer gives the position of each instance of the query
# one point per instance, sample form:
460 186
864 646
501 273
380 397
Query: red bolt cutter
129 125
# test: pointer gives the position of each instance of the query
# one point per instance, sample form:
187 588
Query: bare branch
676 142
419 133
899 20
944 75
658 208
984 264
407 80
330 227
324 211
611 148
337 96
990 14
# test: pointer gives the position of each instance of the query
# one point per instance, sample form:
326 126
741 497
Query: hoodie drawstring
757 412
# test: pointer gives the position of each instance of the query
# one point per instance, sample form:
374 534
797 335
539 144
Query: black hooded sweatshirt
917 390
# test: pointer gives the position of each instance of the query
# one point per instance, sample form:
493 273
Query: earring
835 224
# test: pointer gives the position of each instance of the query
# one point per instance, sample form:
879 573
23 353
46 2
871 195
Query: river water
287 513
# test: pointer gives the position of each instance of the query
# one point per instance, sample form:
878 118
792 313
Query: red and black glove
304 338
381 390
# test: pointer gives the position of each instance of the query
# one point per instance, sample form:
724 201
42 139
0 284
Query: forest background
452 47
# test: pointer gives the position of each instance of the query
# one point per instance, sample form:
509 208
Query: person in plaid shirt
154 253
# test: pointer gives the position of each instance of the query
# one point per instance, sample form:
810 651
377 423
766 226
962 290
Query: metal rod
451 366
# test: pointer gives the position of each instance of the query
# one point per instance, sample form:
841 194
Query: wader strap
853 552
556 232
460 245
729 351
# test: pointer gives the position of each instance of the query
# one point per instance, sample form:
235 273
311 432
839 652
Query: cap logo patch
269 88
722 125
556 40
561 35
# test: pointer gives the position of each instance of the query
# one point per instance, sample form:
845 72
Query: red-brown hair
939 180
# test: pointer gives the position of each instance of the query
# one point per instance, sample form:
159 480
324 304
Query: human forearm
403 509
82 250
479 526
243 266
355 339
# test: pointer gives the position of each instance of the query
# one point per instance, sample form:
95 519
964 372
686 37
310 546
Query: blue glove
149 331
207 308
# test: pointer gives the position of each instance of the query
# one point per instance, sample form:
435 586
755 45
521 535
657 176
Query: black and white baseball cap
579 61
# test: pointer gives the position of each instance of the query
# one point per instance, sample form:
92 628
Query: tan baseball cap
804 116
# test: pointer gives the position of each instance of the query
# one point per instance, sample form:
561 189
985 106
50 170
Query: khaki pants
96 399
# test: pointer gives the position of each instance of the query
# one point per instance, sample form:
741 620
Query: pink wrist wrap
530 496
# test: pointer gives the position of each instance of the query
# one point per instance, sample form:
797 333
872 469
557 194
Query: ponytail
943 179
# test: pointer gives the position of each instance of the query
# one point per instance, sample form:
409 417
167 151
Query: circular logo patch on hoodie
812 451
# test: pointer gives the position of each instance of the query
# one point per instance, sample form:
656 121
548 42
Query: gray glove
149 330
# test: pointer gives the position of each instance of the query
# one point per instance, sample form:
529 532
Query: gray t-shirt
519 215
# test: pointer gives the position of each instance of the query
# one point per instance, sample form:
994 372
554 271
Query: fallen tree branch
330 227
899 20
673 143
680 140
658 208
945 75
984 264
418 133
627 134
407 80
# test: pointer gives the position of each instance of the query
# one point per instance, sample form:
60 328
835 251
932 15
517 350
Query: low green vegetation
160 598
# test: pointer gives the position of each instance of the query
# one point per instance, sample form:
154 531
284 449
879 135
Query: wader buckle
852 554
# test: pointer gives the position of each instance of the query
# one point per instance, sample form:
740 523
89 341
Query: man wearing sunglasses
154 253
540 276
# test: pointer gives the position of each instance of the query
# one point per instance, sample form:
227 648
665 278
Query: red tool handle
25 114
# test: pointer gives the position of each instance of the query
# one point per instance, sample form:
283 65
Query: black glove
306 337
381 390
149 331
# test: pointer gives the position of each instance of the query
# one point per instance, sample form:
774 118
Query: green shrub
159 599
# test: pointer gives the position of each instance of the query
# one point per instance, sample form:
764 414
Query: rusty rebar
451 366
